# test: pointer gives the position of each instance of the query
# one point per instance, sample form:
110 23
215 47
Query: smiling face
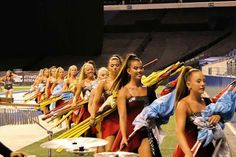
46 73
196 82
136 69
89 70
73 71
53 72
60 73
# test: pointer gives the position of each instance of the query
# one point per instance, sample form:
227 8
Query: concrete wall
217 68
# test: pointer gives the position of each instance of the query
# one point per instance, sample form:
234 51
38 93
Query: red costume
191 136
110 125
134 107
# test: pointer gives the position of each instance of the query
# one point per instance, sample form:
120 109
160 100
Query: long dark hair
123 77
181 87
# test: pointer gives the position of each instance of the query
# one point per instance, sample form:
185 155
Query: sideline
17 92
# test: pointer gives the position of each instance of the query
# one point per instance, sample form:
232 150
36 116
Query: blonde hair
82 74
46 69
102 69
57 71
69 70
10 73
50 70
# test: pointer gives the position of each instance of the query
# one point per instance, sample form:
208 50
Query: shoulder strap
128 91
188 106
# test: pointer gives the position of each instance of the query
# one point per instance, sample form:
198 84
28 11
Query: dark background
40 33
51 27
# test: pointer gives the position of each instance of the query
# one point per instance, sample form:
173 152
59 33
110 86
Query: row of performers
124 78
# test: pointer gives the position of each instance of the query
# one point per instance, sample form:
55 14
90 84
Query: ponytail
181 87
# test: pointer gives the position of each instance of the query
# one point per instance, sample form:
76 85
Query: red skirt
110 125
133 143
191 139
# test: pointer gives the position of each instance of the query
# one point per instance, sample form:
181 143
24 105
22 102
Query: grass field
21 88
16 89
167 147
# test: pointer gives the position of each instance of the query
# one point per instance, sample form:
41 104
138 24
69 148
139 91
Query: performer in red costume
87 80
131 99
189 102
110 124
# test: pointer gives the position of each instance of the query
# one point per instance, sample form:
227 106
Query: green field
16 89
167 147
19 88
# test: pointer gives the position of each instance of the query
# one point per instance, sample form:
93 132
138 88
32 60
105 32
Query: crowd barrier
24 78
218 81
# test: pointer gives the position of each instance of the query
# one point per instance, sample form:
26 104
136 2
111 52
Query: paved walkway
19 136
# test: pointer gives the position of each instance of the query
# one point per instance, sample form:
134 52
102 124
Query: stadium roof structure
150 30
173 5
222 47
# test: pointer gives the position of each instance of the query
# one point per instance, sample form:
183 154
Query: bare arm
46 87
14 75
90 101
65 85
121 105
36 82
97 97
78 91
180 118
53 85
1 79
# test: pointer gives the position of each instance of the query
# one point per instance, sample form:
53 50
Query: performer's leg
110 140
6 94
45 110
145 149
99 135
68 123
10 93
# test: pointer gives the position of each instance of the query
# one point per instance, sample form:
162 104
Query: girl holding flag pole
189 102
